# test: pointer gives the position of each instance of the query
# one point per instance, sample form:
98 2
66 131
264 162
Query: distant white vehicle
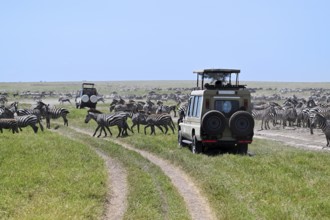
86 96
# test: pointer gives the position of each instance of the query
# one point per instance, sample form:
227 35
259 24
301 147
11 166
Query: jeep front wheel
196 146
180 139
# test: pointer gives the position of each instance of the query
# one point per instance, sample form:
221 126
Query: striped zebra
265 115
323 110
324 124
63 99
290 116
166 109
159 120
27 120
9 123
52 113
22 121
36 112
139 118
109 120
182 109
101 120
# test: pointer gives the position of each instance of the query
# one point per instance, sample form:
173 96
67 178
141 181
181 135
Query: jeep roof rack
88 85
223 75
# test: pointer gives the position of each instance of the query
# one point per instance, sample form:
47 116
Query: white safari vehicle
86 96
218 113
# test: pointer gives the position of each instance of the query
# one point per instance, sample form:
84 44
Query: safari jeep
86 96
218 113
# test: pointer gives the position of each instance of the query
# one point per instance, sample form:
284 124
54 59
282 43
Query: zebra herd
148 106
119 119
294 112
14 119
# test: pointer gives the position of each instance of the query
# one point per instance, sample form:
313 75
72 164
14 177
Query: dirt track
196 203
293 136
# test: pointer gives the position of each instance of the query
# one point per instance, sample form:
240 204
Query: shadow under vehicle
218 113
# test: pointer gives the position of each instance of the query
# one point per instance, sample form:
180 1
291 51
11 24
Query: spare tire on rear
241 123
214 122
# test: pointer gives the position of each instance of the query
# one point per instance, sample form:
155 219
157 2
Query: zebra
9 123
101 120
123 107
182 111
150 107
27 120
159 120
3 99
166 109
290 115
36 112
324 124
53 113
63 99
22 121
109 120
323 110
139 118
265 115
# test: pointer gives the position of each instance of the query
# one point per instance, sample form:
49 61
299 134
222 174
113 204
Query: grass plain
43 175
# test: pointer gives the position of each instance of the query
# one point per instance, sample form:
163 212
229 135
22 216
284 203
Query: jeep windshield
217 78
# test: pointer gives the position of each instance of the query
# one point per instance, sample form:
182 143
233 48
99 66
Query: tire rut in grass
196 204
117 186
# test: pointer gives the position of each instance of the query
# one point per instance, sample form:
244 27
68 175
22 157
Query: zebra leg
153 130
108 130
120 130
102 129
41 126
35 128
66 122
145 128
172 128
166 129
132 127
48 123
160 128
98 127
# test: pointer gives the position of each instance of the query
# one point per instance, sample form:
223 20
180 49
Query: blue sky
75 40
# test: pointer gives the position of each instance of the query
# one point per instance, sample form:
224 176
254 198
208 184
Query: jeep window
227 107
195 104
190 106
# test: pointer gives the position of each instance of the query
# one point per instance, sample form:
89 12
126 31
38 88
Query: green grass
151 194
278 182
47 176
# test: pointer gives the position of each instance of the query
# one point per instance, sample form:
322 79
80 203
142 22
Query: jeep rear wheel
241 123
196 146
214 122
